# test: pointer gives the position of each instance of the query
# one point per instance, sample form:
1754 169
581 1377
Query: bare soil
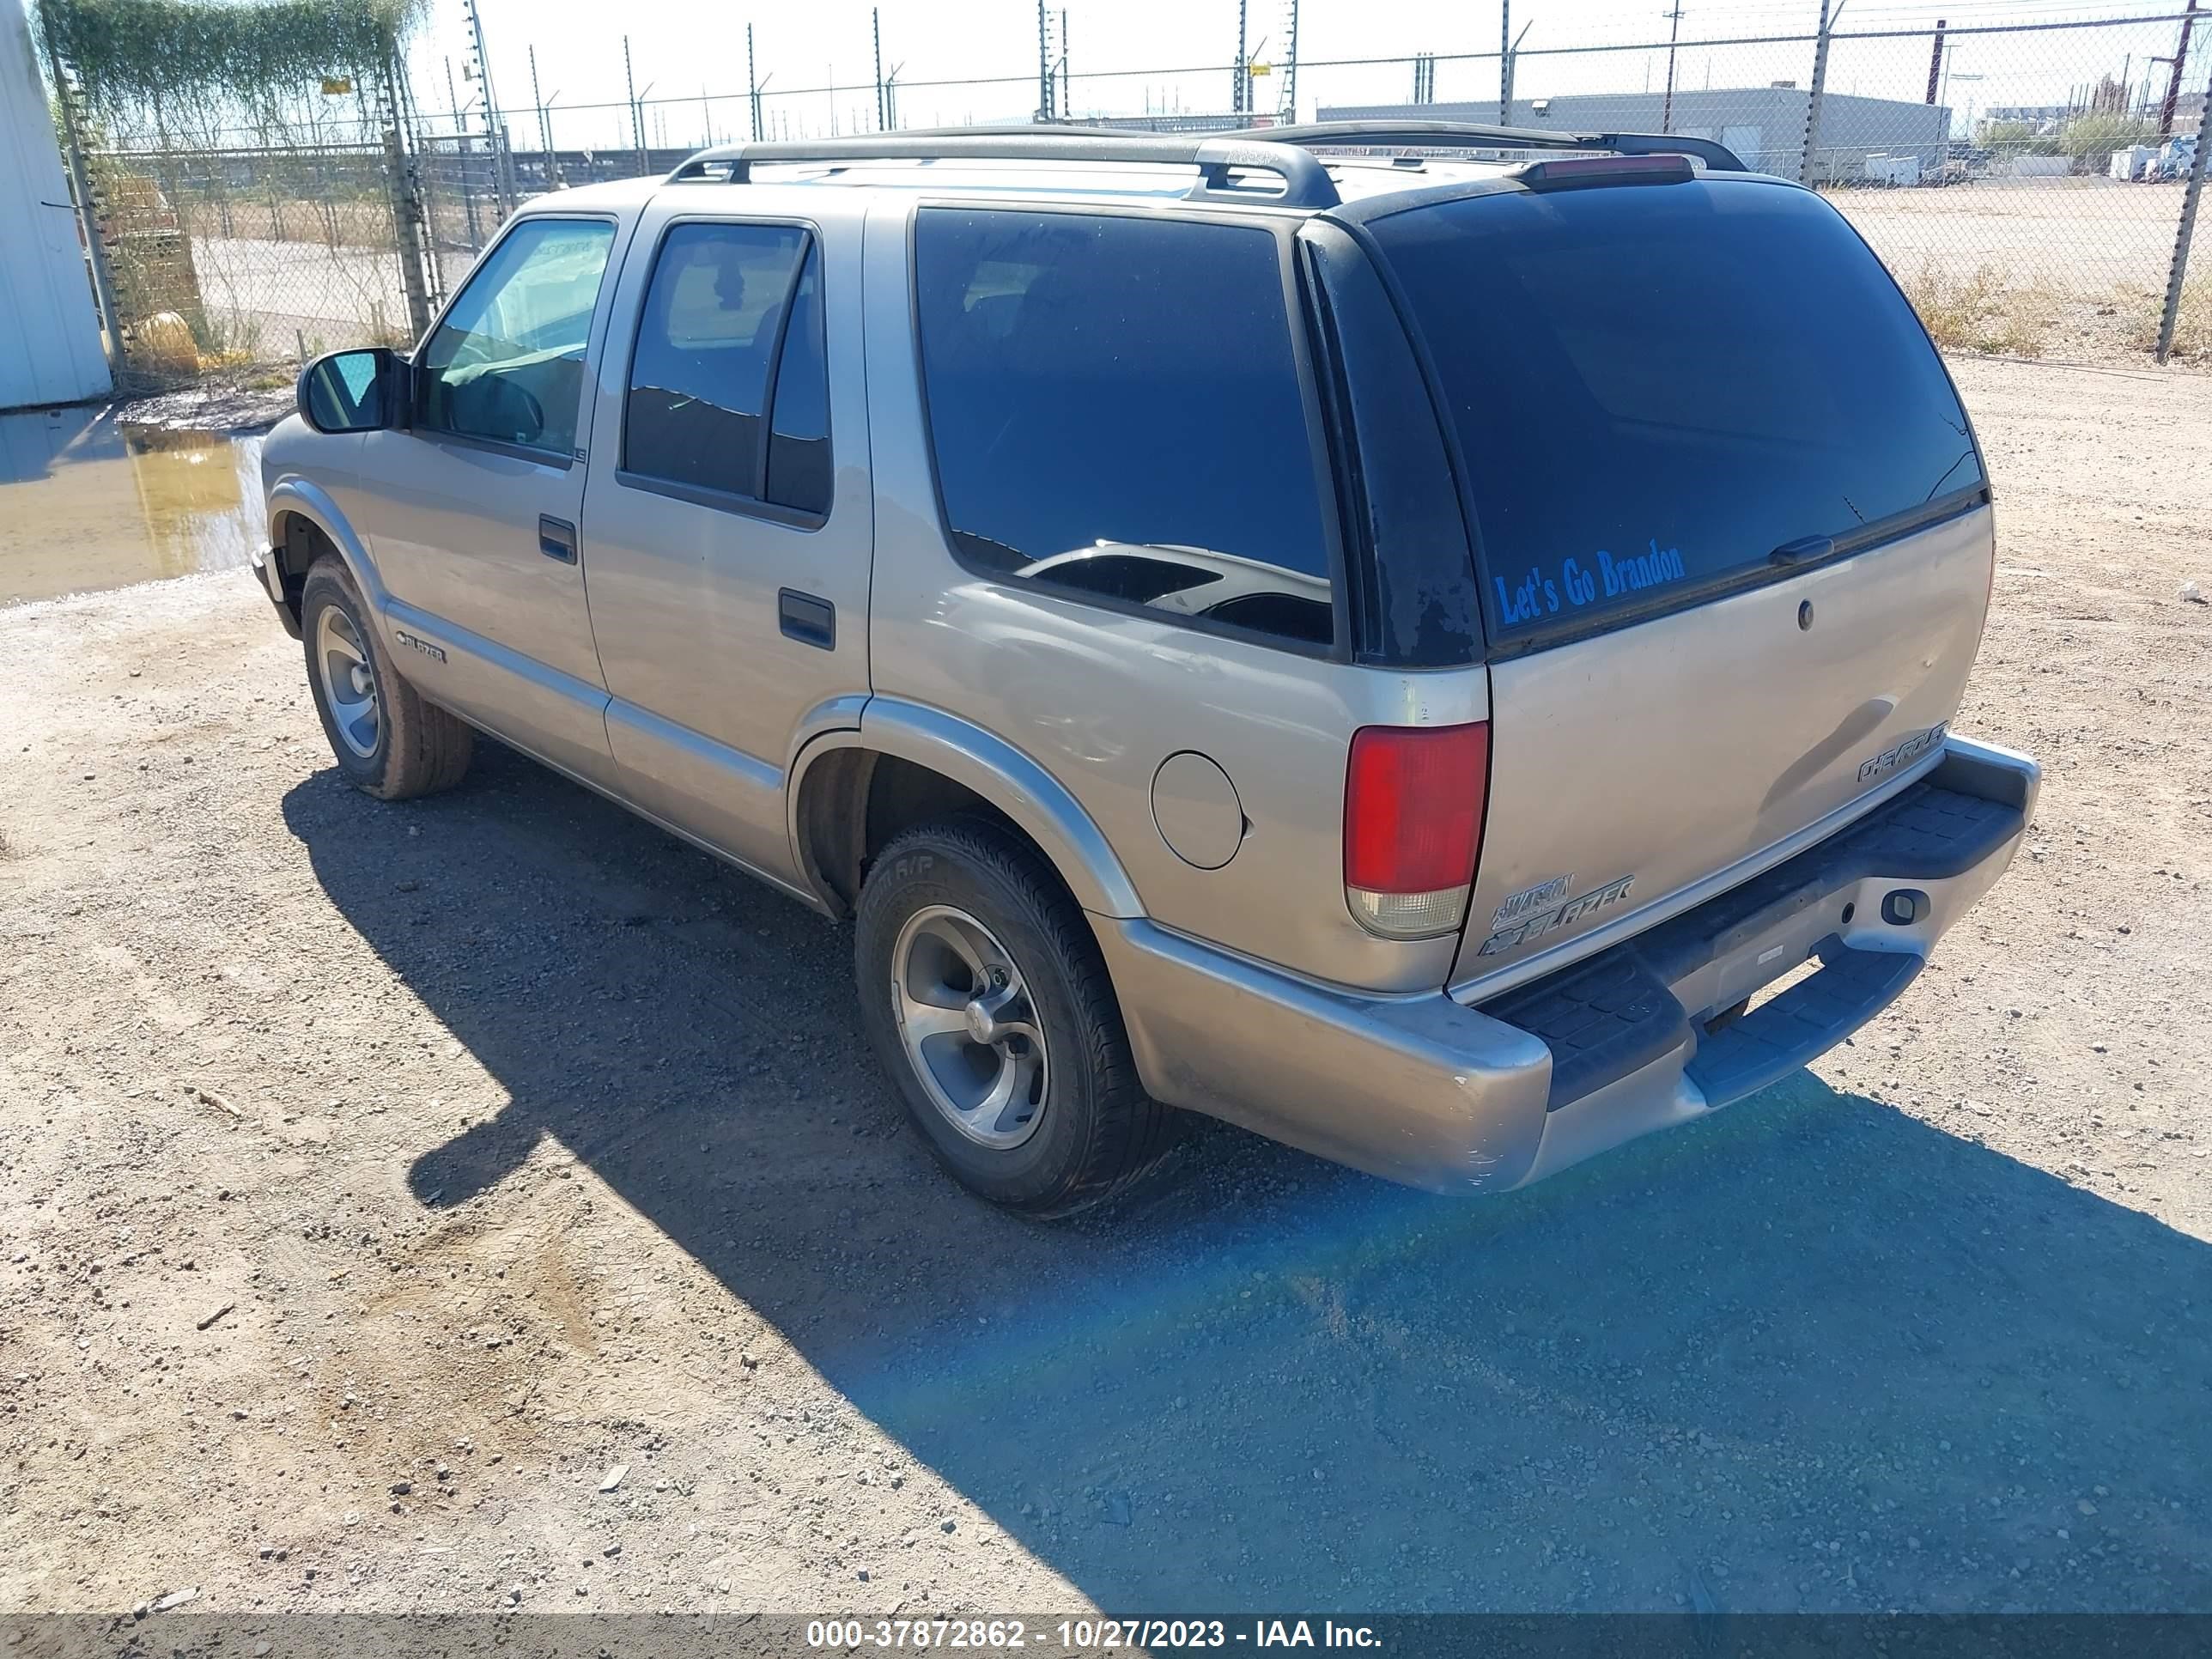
487 1202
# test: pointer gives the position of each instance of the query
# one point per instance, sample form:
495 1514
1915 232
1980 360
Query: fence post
2179 271
407 220
87 219
1812 99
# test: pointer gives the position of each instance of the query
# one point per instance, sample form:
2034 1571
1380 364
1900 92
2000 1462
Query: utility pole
1290 70
637 120
1044 65
1936 63
1508 56
1666 109
752 84
545 119
1240 93
1066 74
1505 63
875 23
2178 270
483 66
502 166
1816 91
2179 60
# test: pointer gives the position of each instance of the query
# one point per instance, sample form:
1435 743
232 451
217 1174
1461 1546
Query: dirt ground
487 1203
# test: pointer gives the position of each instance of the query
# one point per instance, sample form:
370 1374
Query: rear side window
732 326
799 440
1117 411
1655 386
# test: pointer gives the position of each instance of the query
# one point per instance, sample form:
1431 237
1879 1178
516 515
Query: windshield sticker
1577 584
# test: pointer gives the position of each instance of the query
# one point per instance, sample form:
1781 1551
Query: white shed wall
49 348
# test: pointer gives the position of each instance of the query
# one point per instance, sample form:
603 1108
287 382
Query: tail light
1414 799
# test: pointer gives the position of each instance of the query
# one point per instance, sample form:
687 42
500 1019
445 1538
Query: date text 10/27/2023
1098 1635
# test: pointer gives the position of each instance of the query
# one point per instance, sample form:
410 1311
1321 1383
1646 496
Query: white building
1764 125
50 350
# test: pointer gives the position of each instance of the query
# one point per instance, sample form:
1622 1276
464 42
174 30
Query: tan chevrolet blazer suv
1436 644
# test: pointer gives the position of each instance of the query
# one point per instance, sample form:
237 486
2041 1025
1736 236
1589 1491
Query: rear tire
388 742
1049 1119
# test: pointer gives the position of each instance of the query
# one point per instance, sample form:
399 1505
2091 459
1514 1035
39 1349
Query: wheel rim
349 682
968 1027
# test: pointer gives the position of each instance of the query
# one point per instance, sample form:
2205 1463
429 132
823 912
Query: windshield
1655 386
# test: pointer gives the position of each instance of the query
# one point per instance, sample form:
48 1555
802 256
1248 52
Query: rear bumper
1423 1091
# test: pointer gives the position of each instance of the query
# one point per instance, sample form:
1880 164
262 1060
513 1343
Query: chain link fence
263 255
2030 184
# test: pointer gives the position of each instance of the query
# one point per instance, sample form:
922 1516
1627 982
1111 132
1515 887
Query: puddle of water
85 504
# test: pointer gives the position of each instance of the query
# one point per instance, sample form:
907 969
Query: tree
2090 139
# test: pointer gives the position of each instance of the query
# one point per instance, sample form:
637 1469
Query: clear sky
695 50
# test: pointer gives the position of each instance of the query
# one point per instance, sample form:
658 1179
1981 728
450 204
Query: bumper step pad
1801 1023
1609 1016
1601 1020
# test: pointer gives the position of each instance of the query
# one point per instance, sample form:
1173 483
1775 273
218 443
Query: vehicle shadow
1812 1352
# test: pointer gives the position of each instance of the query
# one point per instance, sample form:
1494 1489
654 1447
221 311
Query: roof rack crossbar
1471 135
1306 183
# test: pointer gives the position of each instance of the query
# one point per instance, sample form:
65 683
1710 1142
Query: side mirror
364 390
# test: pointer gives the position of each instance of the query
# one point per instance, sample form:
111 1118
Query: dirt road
486 1202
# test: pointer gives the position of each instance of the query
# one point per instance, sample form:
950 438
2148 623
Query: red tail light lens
1414 799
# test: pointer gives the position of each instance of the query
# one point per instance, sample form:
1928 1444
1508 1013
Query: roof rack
1471 135
1306 183
1287 151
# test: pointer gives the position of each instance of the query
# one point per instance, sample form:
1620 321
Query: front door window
507 364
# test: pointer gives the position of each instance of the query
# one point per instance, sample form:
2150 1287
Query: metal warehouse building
1765 125
49 333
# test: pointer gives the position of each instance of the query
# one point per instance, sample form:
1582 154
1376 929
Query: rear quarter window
1117 412
1656 386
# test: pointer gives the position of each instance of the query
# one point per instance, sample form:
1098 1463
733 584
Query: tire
1091 1130
403 747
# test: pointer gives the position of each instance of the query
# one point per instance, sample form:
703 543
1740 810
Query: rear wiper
1806 550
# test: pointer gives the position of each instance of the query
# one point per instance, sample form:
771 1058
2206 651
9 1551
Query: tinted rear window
1657 385
1116 409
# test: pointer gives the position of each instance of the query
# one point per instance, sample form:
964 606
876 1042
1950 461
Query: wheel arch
304 521
851 789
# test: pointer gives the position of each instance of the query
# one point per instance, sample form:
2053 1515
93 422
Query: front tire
986 1000
387 740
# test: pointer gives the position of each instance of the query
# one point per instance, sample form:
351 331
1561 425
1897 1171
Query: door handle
807 619
556 538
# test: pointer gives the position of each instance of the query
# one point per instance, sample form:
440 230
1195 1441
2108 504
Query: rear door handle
807 618
556 538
